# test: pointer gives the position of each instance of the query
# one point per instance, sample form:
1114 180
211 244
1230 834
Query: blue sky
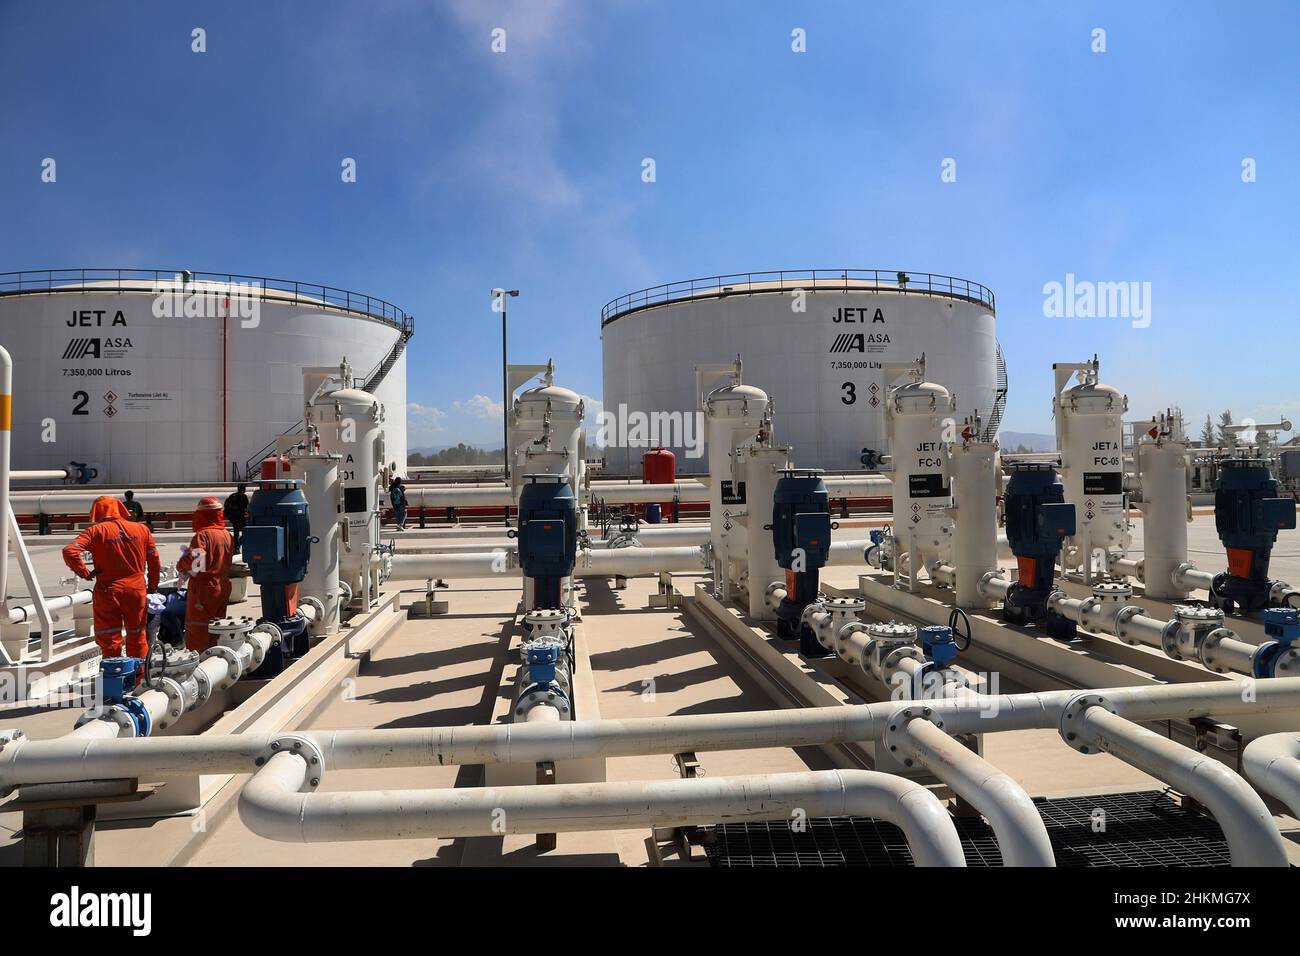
476 169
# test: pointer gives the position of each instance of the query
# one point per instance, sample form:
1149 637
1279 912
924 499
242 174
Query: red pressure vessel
658 467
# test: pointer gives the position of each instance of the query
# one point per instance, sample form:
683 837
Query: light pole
499 295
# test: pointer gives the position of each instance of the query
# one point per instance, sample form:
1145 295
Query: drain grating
1123 829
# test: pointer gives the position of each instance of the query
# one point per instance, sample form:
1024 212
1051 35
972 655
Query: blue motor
1247 514
276 546
548 537
801 540
1037 521
1282 624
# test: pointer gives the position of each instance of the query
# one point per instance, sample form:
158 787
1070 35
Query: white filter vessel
735 415
349 423
920 416
972 467
324 494
762 468
1162 466
1090 434
546 435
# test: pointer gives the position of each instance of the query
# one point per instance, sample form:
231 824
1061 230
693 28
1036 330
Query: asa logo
82 348
857 341
93 347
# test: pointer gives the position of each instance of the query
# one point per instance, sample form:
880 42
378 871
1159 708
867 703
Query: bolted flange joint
1072 719
235 667
300 746
897 725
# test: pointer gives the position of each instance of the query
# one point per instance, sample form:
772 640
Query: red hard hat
209 504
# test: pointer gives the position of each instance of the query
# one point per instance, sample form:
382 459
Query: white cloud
425 424
480 406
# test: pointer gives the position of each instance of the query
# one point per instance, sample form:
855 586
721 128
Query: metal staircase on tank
373 379
999 399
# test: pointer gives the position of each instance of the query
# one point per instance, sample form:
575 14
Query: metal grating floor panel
1146 828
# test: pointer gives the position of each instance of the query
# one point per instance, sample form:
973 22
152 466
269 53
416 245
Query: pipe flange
305 748
235 667
202 686
272 634
1207 647
316 603
550 696
1169 639
1072 718
847 606
1282 594
899 654
231 631
1112 592
175 695
1287 663
897 725
1126 613
11 735
842 647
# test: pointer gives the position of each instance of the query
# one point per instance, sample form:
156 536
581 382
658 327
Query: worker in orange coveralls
207 564
123 551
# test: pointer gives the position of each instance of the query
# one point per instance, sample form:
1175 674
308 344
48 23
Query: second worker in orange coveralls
123 551
207 563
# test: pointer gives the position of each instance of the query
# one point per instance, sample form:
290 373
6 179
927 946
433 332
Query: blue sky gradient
478 169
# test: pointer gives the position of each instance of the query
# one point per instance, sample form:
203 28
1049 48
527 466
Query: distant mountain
1033 441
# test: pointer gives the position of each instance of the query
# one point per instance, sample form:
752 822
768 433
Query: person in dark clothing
397 494
133 508
236 512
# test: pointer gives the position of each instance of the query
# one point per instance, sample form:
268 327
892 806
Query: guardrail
788 280
54 281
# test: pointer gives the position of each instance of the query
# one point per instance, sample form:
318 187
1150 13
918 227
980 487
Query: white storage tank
166 377
816 341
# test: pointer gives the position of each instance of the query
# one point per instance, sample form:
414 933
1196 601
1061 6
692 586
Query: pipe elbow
925 821
272 803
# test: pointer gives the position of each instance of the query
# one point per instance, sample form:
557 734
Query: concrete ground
644 662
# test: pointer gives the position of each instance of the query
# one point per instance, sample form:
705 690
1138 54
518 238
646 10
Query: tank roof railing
42 281
789 280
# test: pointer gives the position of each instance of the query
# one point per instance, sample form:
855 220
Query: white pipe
27 474
1189 578
846 553
1273 764
271 806
63 759
630 562
1253 838
27 612
442 496
1021 834
422 567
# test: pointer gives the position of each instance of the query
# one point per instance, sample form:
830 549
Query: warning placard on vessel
1103 483
927 486
144 400
733 492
